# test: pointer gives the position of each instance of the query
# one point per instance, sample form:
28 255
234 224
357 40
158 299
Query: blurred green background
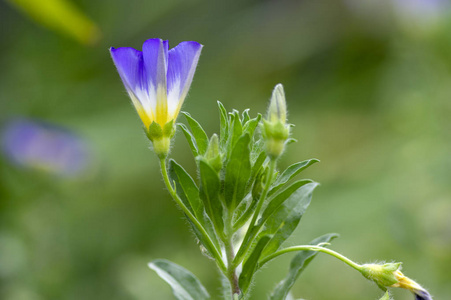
368 86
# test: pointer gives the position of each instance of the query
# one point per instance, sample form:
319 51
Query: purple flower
157 79
45 147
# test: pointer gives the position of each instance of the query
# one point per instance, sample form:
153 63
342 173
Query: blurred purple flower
44 147
423 9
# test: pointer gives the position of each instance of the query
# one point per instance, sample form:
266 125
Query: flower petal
422 295
155 54
181 67
130 66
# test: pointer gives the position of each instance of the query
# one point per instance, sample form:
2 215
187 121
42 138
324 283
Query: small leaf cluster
246 206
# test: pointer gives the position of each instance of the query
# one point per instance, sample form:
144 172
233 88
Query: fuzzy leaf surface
188 192
238 172
199 134
251 125
190 138
224 129
184 285
186 188
276 201
287 217
209 193
290 172
235 132
251 264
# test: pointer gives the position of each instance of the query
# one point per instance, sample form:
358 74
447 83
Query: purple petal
422 295
129 64
181 67
155 54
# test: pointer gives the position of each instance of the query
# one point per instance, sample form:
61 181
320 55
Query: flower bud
382 275
390 275
275 131
277 110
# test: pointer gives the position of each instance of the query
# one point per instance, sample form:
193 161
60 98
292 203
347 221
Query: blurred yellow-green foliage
368 86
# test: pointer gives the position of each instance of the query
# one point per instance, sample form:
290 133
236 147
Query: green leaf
285 220
245 116
256 167
241 208
276 201
224 130
251 125
297 265
199 134
238 171
258 150
226 288
241 216
209 193
190 138
235 132
184 285
290 172
186 189
251 264
188 192
386 296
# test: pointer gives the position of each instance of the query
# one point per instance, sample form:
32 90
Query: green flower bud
382 275
213 156
275 131
161 137
277 110
390 275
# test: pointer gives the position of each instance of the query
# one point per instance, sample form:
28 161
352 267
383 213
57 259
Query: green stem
252 231
312 248
190 216
231 267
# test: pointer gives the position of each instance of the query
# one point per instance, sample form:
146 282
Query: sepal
382 275
154 132
169 129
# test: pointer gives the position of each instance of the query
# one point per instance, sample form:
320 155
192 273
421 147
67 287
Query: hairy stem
231 269
216 253
252 231
231 266
312 248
